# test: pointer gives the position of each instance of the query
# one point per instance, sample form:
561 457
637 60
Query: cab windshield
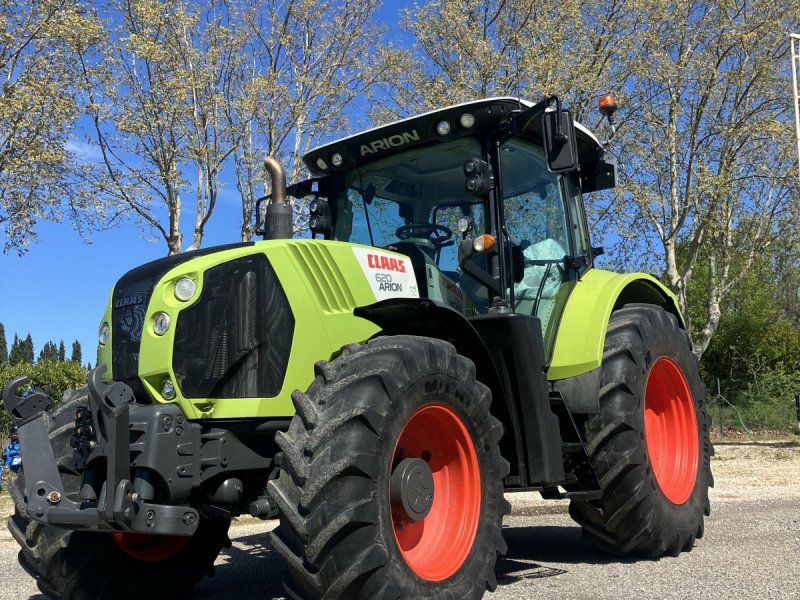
412 202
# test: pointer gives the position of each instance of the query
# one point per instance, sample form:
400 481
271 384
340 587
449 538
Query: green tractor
442 339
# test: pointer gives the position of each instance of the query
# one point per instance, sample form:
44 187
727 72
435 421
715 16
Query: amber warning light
607 105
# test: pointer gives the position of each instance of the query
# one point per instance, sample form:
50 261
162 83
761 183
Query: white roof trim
525 103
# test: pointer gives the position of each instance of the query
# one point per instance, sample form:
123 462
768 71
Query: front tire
76 565
649 444
399 409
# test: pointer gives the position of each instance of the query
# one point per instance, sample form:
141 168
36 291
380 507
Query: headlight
161 323
102 334
167 389
185 289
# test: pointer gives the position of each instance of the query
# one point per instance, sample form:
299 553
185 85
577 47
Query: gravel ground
750 549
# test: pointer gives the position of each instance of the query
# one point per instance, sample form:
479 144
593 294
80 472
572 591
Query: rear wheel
392 480
75 565
650 443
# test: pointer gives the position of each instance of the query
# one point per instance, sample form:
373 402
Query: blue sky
59 289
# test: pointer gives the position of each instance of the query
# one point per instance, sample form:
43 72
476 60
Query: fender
411 316
578 352
509 359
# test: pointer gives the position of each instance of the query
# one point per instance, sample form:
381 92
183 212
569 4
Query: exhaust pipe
278 223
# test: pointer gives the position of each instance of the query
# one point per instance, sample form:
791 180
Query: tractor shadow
251 568
547 551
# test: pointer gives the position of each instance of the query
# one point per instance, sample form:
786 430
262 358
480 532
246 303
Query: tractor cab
484 198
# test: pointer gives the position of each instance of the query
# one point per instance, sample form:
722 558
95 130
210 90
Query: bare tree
211 51
38 107
466 50
139 109
305 64
708 156
183 92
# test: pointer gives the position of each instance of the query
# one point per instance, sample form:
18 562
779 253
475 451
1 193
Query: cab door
542 216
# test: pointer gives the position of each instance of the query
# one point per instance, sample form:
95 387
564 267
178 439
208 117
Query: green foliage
755 353
54 377
764 403
755 335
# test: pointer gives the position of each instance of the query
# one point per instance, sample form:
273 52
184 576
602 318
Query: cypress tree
3 346
27 349
62 356
76 352
49 352
15 356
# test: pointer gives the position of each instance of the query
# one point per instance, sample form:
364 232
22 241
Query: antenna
794 40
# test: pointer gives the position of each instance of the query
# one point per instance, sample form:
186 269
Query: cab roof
380 142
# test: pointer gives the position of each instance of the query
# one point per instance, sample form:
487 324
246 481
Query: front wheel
392 480
649 445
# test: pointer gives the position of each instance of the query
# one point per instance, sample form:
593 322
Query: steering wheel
433 232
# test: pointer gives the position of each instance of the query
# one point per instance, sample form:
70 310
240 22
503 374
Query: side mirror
260 226
560 142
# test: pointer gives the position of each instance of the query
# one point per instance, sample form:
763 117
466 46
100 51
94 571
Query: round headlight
185 289
443 127
464 225
167 389
467 120
322 164
102 334
336 159
161 323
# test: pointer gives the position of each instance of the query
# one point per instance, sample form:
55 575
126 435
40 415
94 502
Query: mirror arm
474 271
560 136
465 255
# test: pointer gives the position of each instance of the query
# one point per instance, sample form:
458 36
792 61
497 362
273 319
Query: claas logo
386 263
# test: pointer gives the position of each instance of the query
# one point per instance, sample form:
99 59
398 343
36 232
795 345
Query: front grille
234 341
127 320
129 308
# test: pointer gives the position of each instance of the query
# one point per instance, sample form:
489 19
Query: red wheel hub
437 538
150 548
670 426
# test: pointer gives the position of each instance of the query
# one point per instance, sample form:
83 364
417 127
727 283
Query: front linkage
129 455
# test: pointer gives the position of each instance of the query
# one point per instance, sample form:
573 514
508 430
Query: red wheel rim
670 426
150 548
436 546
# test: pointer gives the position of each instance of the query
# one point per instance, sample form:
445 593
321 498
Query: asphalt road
751 550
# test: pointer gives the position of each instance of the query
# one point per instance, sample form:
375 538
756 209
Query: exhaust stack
278 223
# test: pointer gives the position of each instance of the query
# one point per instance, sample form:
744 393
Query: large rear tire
650 443
380 427
75 565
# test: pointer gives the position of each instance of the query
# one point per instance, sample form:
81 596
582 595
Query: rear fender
578 353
